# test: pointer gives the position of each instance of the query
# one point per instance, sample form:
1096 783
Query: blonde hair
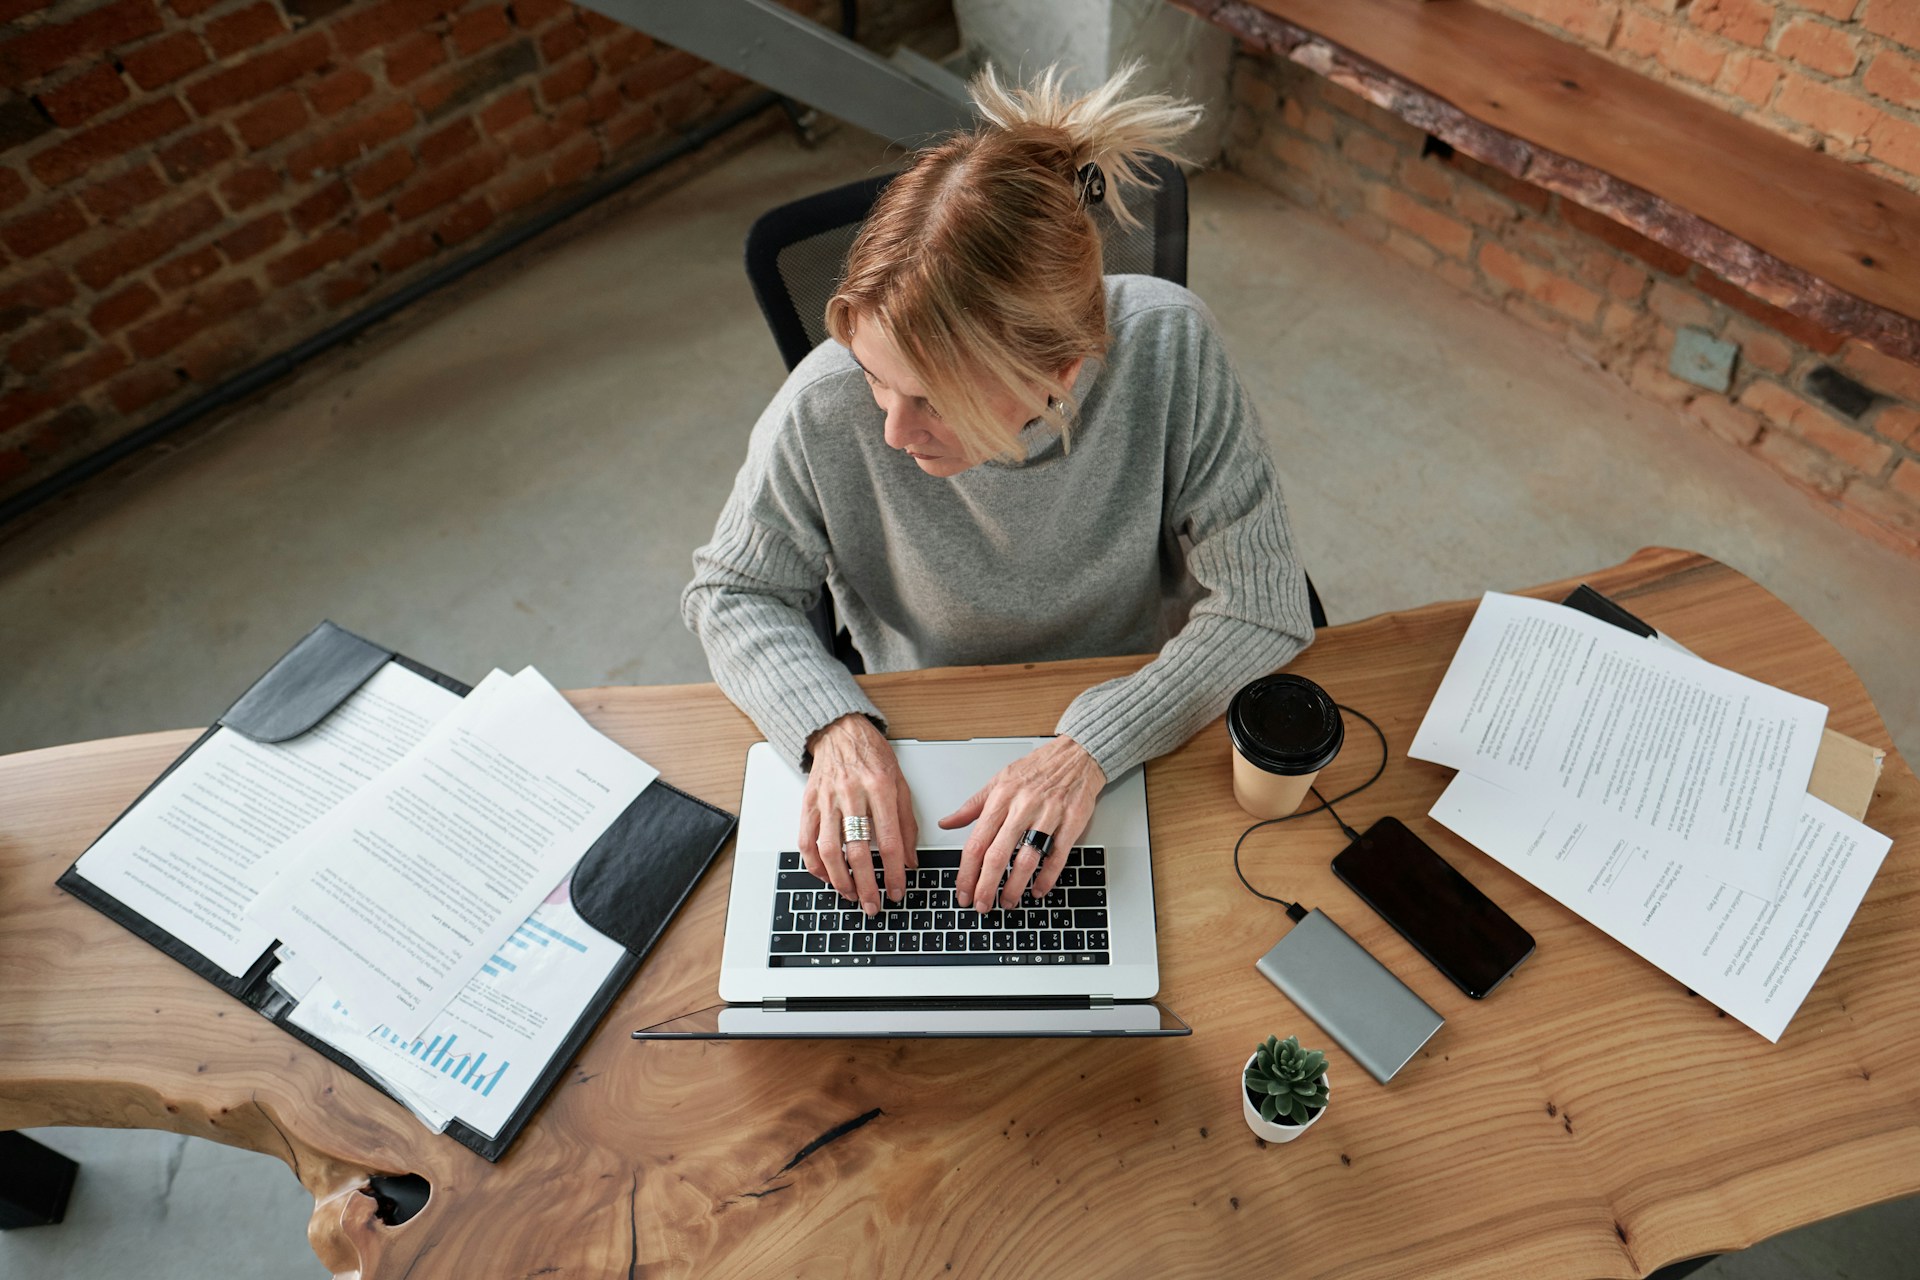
981 262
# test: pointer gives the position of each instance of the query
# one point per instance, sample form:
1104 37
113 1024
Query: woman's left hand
1052 788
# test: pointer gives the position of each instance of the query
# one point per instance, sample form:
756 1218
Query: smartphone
1455 926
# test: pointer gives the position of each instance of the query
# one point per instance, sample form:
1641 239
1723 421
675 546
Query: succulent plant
1287 1082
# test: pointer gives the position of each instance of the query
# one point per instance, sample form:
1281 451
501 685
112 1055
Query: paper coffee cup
1285 729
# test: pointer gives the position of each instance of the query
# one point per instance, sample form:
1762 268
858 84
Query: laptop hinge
777 1003
1100 1002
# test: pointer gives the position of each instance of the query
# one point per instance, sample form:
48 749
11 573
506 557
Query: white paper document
1754 955
484 1052
1702 764
399 897
197 850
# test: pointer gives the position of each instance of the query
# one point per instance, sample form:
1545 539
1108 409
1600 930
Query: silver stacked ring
855 829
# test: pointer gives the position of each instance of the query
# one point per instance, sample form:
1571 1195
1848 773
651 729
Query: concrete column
1091 39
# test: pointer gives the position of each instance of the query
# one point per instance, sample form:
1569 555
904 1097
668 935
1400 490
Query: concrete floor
519 473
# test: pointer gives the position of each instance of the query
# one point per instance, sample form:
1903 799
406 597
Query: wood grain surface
1795 227
1590 1119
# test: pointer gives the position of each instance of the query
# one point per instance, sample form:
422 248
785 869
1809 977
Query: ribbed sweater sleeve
753 583
1222 494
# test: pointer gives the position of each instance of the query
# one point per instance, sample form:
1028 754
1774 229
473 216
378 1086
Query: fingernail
961 896
871 908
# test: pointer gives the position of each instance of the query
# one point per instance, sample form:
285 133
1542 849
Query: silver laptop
800 961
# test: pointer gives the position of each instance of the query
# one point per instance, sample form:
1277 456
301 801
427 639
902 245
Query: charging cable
1296 912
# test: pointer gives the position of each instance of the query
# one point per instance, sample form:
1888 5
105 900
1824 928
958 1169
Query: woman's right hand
855 774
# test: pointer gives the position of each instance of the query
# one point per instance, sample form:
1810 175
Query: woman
1001 457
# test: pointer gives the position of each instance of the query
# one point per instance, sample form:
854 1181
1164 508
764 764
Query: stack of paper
1661 797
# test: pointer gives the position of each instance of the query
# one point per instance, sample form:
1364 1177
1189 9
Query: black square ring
1040 840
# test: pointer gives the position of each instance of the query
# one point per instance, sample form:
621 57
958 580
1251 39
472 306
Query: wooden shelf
1796 228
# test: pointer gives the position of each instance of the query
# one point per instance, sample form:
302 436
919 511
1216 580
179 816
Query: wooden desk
1590 1119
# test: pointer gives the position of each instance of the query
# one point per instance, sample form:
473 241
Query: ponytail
981 263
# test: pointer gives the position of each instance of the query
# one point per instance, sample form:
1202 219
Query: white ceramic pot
1275 1132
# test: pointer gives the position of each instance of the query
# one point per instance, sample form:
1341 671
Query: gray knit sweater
1160 529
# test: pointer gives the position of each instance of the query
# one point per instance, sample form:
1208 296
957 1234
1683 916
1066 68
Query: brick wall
1839 75
189 187
1612 297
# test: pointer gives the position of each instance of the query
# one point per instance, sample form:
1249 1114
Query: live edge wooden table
1590 1119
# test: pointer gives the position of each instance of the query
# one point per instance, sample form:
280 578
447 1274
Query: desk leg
34 1183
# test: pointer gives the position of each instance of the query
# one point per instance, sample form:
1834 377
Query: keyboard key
979 941
1062 919
851 919
837 942
805 922
1056 897
1002 940
1096 939
783 921
1086 897
790 861
1069 877
910 942
786 942
926 878
1094 958
941 858
1075 940
797 880
816 943
1016 917
918 921
991 920
1090 918
897 921
1026 940
916 900
883 941
1091 876
1093 856
944 920
862 942
1049 940
948 879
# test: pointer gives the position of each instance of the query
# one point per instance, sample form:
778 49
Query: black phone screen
1454 925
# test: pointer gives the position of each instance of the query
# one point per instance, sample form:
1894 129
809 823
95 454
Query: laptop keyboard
813 926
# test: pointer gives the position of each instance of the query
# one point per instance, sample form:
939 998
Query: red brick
383 173
1893 77
13 188
141 387
321 207
254 237
1840 9
342 289
232 32
637 121
1801 463
1692 57
575 161
96 366
406 251
1679 307
350 141
81 150
569 81
1882 372
116 311
208 357
1893 141
1745 21
628 47
33 234
1625 239
1906 479
25 300
281 116
1521 193
1590 20
162 334
192 8
1805 332
162 61
529 14
1749 77
329 247
520 187
510 110
1449 235
1760 347
1894 19
141 245
669 67
333 93
366 26
599 25
1725 419
249 186
446 183
1814 425
562 40
187 269
122 193
1816 44
480 29
37 348
1540 284
44 49
444 144
1899 423
196 153
1833 112
84 96
1369 152
261 74
465 222
414 57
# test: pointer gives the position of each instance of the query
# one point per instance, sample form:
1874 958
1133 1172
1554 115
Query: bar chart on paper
529 935
440 1052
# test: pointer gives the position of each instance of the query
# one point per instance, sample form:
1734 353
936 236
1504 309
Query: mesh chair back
796 254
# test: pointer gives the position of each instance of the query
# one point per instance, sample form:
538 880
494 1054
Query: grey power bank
1370 1013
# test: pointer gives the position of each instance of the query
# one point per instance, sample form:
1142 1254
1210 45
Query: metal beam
800 58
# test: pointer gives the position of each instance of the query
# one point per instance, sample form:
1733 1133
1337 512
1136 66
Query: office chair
797 253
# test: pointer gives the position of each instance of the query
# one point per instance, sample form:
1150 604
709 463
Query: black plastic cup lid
1285 724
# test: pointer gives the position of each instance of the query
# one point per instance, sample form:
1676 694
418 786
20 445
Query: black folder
627 886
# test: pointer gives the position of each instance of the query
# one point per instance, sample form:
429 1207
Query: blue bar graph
437 1052
533 931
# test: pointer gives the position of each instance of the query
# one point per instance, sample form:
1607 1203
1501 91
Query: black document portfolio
628 885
